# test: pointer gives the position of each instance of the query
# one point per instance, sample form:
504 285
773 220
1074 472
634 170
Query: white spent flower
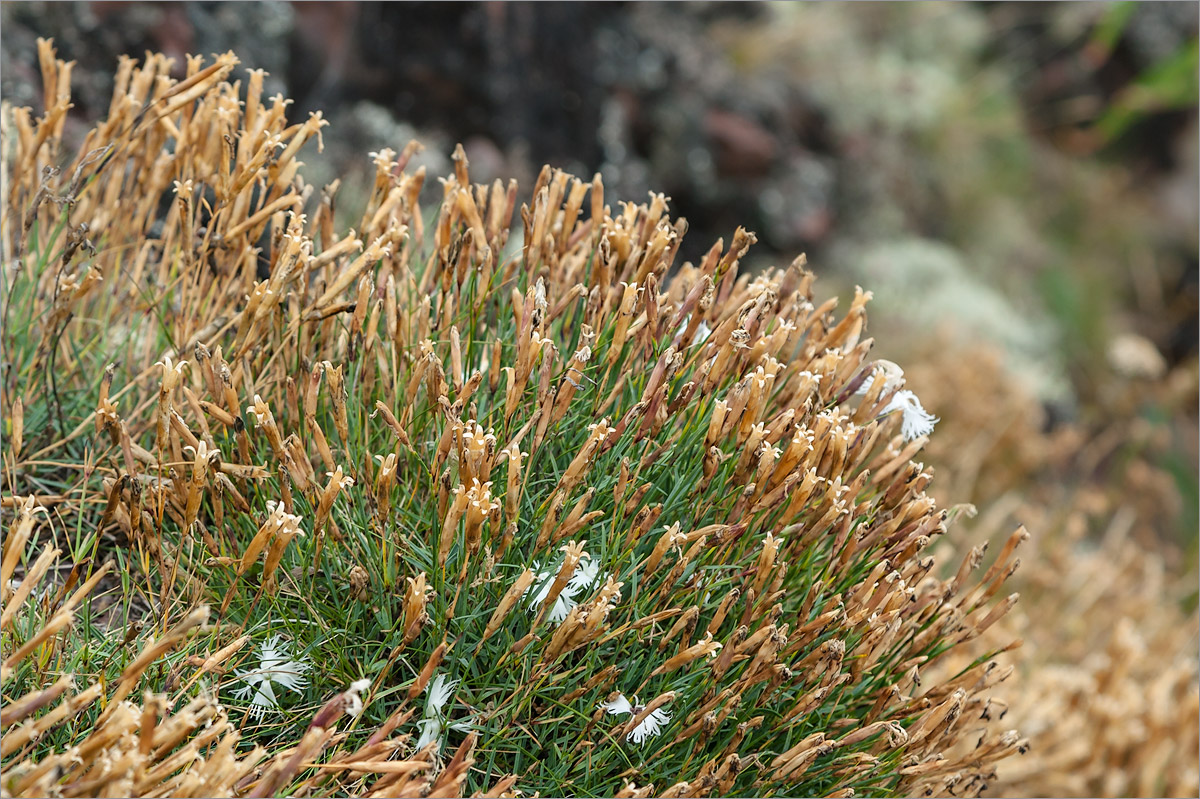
354 698
917 421
650 726
539 295
275 667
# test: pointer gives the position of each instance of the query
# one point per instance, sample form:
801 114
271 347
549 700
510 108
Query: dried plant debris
1107 688
497 467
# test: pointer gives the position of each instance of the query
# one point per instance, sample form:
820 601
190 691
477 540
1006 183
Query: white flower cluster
275 667
650 726
586 574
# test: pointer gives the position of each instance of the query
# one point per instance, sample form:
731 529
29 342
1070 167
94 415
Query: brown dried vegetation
1107 687
421 419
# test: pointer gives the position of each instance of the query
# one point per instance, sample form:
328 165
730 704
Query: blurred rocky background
1017 182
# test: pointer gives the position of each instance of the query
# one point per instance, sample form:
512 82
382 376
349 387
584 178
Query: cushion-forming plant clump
492 500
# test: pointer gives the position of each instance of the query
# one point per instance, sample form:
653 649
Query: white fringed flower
586 574
540 589
917 421
437 695
275 667
431 729
651 725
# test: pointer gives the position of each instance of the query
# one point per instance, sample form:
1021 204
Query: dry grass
382 437
1109 699
1107 689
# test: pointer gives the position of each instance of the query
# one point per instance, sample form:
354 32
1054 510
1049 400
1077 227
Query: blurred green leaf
1170 84
1109 29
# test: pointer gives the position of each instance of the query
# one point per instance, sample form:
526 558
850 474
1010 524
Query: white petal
273 653
264 700
563 606
618 706
541 589
440 691
253 677
430 730
917 421
917 425
290 674
651 725
703 331
585 574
